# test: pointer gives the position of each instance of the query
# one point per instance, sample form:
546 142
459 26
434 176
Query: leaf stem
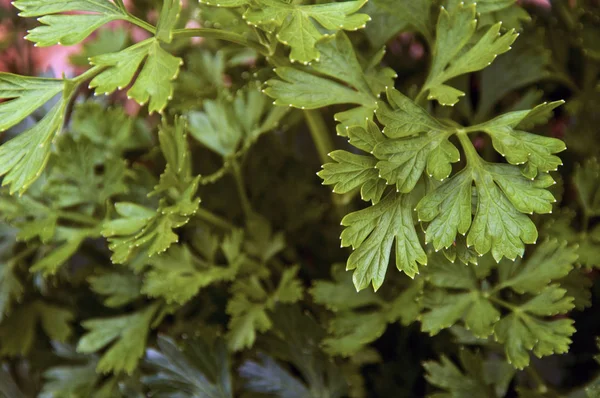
503 303
471 153
319 133
213 219
77 217
29 250
140 23
221 35
324 144
239 182
88 74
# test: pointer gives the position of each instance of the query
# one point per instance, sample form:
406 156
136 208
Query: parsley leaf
250 302
346 82
454 56
196 370
128 332
153 83
293 24
371 233
120 288
54 320
67 29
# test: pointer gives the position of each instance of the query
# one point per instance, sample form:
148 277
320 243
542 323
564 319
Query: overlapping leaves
413 142
338 78
294 24
463 293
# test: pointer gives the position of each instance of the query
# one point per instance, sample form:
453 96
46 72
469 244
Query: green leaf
11 288
294 24
250 303
267 376
196 370
67 29
176 276
585 179
338 78
448 211
478 314
353 171
340 294
550 261
168 19
153 83
139 227
128 334
479 379
527 63
521 147
26 94
454 56
371 233
521 333
23 158
226 123
390 17
54 320
120 288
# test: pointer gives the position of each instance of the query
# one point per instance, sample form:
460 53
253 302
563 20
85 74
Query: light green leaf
522 333
371 233
26 94
349 82
521 147
154 82
352 171
176 277
448 211
295 27
405 118
168 19
23 158
453 57
155 233
550 261
67 29
226 123
353 331
497 225
404 160
70 240
128 332
120 288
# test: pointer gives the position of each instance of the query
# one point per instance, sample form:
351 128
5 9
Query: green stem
473 158
239 182
142 24
214 219
320 134
23 254
78 217
420 99
324 144
503 303
221 35
88 74
541 384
